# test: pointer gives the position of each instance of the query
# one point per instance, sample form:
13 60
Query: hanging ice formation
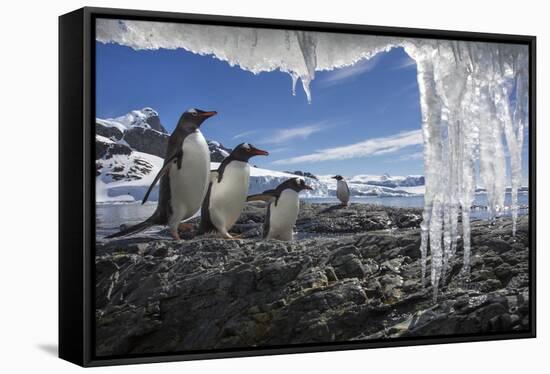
474 103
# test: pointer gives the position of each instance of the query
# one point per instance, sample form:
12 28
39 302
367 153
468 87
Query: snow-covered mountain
378 185
266 179
126 178
141 130
217 151
302 173
147 118
129 151
387 180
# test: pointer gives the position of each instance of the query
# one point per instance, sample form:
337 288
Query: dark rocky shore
351 274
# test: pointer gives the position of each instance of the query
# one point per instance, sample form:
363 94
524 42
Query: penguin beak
208 114
306 187
259 152
333 177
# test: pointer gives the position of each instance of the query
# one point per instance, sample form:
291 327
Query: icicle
435 247
305 84
467 244
430 105
294 77
446 240
454 229
492 165
513 129
446 193
469 141
424 236
308 45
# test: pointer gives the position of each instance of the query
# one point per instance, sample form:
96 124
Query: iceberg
473 97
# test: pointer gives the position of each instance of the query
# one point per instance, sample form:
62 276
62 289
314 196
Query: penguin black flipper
221 168
264 196
266 221
177 157
206 224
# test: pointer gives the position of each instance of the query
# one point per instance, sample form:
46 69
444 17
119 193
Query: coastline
351 274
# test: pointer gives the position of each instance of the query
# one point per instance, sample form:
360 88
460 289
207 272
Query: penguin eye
194 114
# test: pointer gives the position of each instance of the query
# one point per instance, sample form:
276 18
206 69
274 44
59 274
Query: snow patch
135 118
126 178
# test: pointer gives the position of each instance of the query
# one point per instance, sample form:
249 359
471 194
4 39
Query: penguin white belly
282 217
227 198
342 192
188 185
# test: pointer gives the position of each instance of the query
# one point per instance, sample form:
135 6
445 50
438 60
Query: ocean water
417 201
110 216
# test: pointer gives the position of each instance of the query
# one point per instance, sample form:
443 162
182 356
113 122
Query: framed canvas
236 186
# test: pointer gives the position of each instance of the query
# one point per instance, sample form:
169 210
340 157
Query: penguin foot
186 226
228 236
175 234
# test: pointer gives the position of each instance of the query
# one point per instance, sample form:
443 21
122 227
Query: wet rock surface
352 273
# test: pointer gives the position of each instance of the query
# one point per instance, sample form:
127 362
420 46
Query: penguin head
244 151
338 177
193 118
297 184
301 185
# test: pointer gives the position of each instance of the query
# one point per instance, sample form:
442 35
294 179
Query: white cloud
278 150
343 74
245 134
285 135
405 63
366 148
411 156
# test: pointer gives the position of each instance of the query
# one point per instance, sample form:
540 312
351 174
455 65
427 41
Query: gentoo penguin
282 210
342 190
183 177
227 191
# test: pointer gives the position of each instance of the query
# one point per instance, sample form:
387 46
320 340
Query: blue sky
368 112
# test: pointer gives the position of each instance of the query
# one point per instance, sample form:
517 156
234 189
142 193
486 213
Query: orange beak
208 114
259 152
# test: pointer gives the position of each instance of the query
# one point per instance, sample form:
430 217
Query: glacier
136 181
473 96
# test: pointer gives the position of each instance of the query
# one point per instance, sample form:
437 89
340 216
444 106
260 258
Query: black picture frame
77 195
